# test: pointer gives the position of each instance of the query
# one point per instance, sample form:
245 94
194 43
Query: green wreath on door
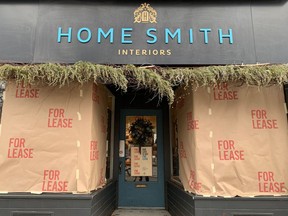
141 132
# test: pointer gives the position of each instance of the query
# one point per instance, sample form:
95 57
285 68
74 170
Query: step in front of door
31 213
253 214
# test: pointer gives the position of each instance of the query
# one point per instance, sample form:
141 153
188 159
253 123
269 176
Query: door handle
120 167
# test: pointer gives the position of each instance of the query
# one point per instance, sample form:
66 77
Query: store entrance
141 165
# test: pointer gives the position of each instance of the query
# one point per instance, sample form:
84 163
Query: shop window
110 135
2 89
175 149
174 146
286 96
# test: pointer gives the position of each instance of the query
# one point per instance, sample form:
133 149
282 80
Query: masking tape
79 116
212 166
210 111
214 189
285 107
3 192
211 134
36 192
206 195
78 143
209 90
77 174
81 93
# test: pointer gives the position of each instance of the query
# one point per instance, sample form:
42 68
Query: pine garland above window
159 80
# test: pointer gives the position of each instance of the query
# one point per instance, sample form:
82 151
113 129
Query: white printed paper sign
141 164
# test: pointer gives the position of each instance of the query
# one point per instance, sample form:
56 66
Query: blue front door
141 165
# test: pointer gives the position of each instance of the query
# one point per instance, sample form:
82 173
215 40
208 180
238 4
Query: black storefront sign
142 33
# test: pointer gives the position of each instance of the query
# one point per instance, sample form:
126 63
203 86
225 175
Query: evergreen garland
159 80
141 131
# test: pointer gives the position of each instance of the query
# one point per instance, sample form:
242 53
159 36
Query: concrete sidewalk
140 212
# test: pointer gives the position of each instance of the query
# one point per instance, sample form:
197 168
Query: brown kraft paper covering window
48 135
235 140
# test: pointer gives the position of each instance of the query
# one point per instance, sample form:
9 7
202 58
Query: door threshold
140 211
137 208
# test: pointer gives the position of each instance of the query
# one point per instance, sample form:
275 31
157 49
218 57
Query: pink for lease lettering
193 183
192 124
182 152
56 119
52 182
227 150
221 92
267 183
17 149
94 152
260 120
25 91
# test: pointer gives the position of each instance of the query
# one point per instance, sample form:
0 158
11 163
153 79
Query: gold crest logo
145 14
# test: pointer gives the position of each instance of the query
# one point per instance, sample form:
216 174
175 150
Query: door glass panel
141 148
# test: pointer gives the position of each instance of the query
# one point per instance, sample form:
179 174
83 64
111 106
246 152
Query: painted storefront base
101 203
104 201
181 203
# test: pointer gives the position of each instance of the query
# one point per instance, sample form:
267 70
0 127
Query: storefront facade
141 51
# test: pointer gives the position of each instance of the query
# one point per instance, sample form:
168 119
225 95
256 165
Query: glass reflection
141 148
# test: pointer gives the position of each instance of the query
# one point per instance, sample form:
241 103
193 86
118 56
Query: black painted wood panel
182 203
101 203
